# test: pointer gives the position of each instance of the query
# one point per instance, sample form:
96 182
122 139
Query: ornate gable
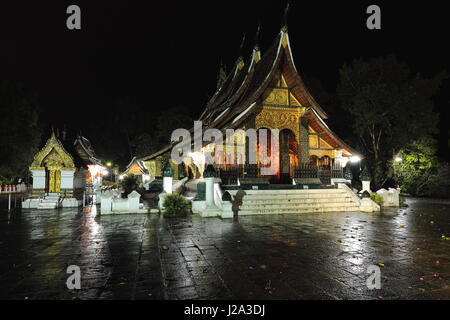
53 155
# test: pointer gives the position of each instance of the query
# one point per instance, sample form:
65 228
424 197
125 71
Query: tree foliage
129 183
420 172
20 133
146 143
389 106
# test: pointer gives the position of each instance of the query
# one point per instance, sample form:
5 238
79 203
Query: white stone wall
38 179
67 179
391 197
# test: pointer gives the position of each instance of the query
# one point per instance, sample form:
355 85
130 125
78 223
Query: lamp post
109 164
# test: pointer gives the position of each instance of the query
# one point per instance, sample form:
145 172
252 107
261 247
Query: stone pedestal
211 209
366 186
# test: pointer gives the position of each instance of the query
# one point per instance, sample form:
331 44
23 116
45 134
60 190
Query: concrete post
9 202
168 179
366 186
167 185
210 207
209 181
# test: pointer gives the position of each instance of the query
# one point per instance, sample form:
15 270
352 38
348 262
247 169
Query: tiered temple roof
243 92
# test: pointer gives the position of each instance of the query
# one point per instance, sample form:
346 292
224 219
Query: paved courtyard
307 256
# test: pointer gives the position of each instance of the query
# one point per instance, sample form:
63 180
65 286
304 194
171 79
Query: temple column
303 144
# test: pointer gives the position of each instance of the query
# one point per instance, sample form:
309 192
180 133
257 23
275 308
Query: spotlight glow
355 159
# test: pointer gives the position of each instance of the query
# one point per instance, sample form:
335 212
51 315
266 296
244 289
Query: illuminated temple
268 92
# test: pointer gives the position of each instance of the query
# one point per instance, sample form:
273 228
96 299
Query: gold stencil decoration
54 154
277 118
278 97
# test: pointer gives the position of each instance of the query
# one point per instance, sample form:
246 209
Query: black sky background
163 54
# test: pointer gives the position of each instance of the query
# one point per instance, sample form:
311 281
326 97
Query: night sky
167 53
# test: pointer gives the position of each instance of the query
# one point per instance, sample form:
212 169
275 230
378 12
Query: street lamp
109 164
356 159
398 159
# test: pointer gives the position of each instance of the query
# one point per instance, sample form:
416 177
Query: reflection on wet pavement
305 256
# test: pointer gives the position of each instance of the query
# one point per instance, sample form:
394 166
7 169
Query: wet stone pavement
306 256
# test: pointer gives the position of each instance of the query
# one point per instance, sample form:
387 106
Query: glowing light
343 161
121 177
105 172
355 159
109 164
398 159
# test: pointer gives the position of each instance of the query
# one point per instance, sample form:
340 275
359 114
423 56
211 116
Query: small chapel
63 178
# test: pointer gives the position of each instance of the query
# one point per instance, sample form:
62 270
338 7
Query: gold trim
60 158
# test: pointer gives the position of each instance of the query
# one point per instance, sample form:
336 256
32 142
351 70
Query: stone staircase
50 201
297 201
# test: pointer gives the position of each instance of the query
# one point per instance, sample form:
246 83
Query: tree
420 172
389 107
20 134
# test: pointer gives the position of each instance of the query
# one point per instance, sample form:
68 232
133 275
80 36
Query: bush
377 198
129 183
175 204
109 184
421 173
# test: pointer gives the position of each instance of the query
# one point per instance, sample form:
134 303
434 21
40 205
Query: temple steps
296 201
50 201
297 210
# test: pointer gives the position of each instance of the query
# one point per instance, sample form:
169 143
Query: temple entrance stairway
50 201
297 201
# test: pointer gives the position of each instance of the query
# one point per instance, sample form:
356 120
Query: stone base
307 181
31 203
368 205
255 181
227 210
138 211
38 192
211 211
71 203
200 208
